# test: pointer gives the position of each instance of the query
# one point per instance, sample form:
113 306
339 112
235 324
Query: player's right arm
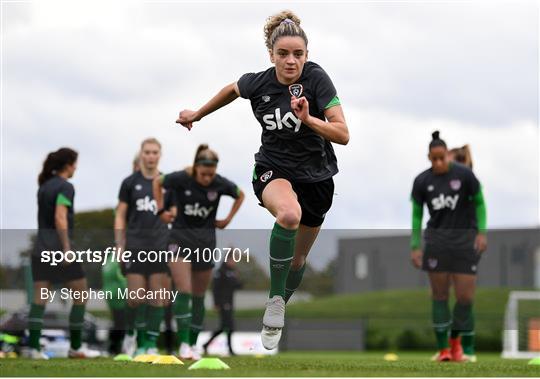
416 235
227 94
120 225
417 200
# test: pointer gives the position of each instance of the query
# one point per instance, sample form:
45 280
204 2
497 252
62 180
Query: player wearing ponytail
454 240
297 107
55 228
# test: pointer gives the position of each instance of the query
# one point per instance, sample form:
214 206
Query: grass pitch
282 365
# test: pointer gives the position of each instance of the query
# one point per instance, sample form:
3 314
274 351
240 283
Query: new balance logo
442 202
197 211
275 121
146 205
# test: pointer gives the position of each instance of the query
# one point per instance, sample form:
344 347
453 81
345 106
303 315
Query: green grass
401 319
284 364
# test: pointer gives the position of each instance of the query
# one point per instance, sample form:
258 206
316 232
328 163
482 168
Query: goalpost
521 334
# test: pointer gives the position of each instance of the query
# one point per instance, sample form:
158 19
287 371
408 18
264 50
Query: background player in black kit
300 114
139 228
55 229
454 239
224 284
197 191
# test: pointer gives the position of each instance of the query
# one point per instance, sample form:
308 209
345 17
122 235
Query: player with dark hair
453 242
300 114
197 191
139 228
55 230
224 285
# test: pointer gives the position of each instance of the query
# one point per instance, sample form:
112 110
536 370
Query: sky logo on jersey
289 120
146 204
442 202
197 210
455 184
296 90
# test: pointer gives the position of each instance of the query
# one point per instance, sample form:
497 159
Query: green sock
182 314
441 322
467 342
140 324
155 316
281 254
35 323
197 318
131 314
76 322
294 278
464 323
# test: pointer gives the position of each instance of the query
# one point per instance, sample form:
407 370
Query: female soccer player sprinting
197 191
454 239
300 114
55 229
139 228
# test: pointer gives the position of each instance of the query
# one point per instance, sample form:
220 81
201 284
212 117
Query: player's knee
289 217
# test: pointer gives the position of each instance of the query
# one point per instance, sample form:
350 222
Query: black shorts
315 199
144 268
458 261
55 274
199 260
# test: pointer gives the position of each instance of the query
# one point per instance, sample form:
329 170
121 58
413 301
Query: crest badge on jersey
267 175
212 195
187 192
266 98
138 187
455 184
432 263
430 188
296 90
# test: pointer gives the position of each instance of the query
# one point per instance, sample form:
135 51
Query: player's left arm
334 129
480 243
221 224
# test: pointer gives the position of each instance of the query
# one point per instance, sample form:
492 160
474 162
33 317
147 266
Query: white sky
101 76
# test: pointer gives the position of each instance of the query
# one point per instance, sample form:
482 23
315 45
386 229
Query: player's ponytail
436 140
55 162
283 24
463 155
204 156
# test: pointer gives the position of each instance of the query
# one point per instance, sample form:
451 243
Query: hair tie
287 21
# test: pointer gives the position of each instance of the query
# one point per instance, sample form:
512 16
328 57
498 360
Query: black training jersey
144 229
55 191
449 198
197 207
287 144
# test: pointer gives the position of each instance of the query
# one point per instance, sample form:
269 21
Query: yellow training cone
167 360
146 358
209 364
